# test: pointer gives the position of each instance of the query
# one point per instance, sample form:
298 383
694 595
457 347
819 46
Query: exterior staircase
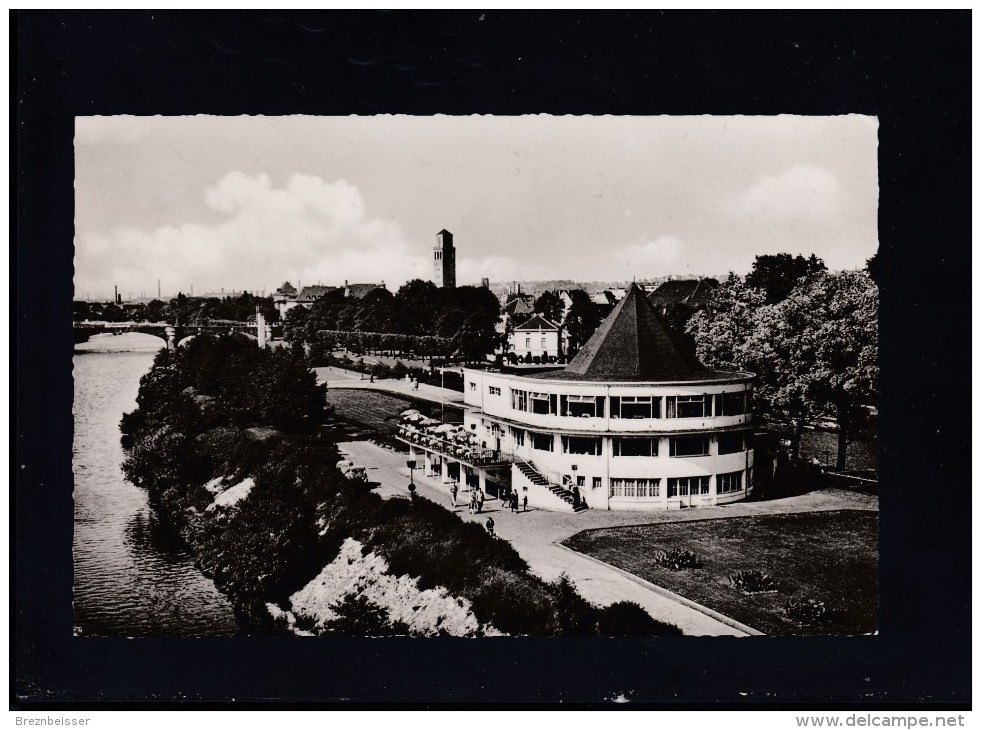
530 473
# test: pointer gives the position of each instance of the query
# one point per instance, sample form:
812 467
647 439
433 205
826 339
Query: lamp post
411 463
575 487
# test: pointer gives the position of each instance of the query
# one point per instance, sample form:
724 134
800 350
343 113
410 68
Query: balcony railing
455 450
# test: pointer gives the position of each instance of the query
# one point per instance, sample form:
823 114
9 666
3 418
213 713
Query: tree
415 306
738 330
834 322
582 320
476 337
778 274
872 267
295 326
550 306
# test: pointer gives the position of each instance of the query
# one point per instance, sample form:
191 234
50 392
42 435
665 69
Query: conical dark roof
635 344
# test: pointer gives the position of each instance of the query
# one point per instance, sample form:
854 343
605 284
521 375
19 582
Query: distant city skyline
255 201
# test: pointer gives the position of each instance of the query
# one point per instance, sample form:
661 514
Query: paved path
535 534
341 378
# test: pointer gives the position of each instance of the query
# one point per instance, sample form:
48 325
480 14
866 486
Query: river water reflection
132 577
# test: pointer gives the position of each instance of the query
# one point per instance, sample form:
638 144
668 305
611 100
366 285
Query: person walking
480 501
453 493
525 504
490 527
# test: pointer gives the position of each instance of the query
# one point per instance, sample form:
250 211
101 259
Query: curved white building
634 421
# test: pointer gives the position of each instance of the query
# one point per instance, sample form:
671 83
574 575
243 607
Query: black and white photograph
474 377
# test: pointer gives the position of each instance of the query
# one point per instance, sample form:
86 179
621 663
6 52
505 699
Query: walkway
341 378
535 535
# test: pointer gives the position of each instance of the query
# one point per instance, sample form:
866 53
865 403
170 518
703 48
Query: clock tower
444 260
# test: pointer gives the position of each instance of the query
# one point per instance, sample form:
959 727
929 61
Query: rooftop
538 322
635 344
694 292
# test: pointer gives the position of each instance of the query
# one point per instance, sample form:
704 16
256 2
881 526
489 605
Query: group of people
476 498
476 501
513 501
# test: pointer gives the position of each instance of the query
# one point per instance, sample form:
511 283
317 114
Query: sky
246 203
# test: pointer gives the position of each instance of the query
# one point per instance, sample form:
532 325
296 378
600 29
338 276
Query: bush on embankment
196 424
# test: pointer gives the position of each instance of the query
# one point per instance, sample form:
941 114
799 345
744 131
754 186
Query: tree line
181 310
419 317
810 336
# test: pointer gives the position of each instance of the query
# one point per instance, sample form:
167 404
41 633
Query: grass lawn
380 411
830 556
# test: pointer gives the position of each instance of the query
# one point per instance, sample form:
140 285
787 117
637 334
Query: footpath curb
721 618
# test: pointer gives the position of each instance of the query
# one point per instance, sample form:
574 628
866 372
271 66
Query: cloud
804 192
650 258
308 230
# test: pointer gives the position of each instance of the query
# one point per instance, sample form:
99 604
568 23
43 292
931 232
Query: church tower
444 260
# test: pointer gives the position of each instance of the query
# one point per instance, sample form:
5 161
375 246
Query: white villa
536 337
634 422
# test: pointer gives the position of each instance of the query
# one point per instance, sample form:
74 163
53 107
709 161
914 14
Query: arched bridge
173 334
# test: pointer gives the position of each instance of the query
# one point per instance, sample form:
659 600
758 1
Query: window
635 487
689 446
541 441
543 343
580 481
730 482
473 386
519 436
493 390
634 447
580 406
730 404
687 486
527 343
540 403
582 445
519 400
635 407
689 406
597 482
731 443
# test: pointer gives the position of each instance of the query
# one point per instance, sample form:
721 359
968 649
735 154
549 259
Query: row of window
729 443
677 486
594 406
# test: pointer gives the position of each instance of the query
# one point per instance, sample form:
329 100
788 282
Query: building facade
634 422
444 260
536 337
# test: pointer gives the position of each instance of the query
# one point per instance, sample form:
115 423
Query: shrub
358 616
677 559
806 610
516 603
754 581
625 618
399 370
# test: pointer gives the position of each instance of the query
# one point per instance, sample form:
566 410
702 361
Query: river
132 576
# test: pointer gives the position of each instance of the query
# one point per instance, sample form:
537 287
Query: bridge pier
170 332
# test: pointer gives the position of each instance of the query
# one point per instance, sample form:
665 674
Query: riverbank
227 441
132 574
